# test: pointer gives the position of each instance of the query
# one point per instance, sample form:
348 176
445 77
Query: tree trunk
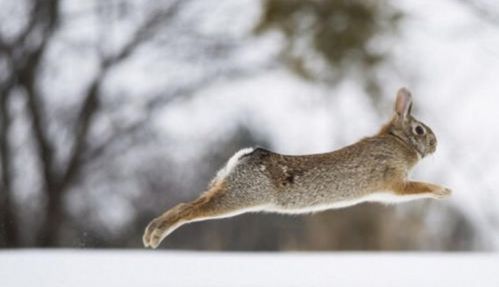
8 225
48 235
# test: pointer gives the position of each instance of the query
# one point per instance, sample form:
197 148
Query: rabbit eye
419 130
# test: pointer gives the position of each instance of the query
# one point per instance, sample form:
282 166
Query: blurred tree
64 134
329 39
8 228
79 135
24 55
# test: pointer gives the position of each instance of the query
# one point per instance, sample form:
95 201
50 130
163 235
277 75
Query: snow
157 268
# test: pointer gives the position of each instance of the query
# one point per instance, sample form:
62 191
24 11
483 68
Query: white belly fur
382 197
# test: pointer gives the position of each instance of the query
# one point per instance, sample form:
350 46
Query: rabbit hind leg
213 204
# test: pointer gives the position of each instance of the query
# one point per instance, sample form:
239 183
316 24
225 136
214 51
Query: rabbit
375 169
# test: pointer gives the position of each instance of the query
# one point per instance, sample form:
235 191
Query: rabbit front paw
441 193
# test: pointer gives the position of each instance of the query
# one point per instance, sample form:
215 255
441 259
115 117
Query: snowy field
72 268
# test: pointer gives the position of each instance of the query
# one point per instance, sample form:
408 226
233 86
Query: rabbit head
403 125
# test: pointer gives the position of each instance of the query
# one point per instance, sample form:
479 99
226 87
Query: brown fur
205 205
374 169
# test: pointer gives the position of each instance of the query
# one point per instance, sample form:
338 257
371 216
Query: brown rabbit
374 169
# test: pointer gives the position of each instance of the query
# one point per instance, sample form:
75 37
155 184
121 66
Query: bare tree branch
44 11
155 103
86 114
119 134
231 73
91 101
146 31
33 20
43 145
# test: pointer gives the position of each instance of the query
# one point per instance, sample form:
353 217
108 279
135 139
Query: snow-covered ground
72 268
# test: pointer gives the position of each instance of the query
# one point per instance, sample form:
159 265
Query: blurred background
113 111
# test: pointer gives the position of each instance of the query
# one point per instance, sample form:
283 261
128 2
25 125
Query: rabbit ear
403 104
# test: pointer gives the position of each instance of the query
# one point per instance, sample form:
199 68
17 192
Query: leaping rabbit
257 180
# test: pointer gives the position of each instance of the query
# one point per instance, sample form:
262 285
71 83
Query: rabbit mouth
425 151
420 153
